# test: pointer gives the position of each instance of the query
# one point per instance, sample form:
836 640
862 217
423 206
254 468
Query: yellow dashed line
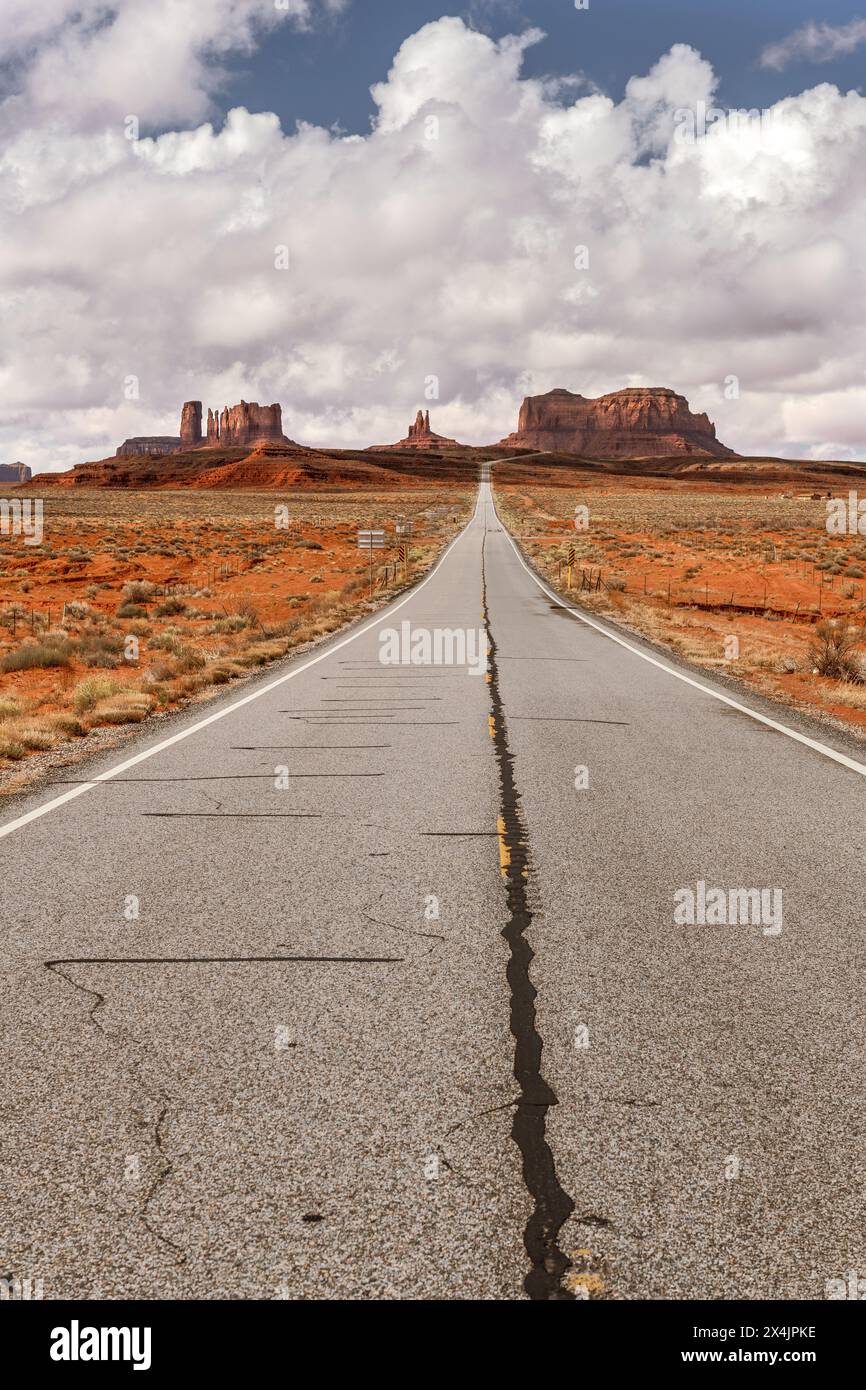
504 851
585 1279
586 1285
491 724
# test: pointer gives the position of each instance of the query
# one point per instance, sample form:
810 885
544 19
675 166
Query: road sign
572 556
401 551
371 540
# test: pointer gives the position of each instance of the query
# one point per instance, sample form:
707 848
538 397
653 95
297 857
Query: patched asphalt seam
552 1205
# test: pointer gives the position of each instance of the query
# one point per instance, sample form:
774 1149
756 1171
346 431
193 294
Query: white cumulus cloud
446 244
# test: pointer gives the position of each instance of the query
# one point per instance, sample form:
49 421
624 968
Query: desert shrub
236 623
169 641
139 590
90 691
248 611
189 659
221 672
32 655
170 608
9 708
78 609
101 650
834 652
131 610
161 670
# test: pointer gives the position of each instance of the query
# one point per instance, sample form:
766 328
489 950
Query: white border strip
812 743
58 801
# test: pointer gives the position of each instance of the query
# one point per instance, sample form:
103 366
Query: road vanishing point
367 983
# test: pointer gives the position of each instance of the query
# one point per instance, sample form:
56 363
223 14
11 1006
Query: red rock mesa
639 422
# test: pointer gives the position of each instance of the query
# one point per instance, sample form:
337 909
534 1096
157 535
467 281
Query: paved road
314 1064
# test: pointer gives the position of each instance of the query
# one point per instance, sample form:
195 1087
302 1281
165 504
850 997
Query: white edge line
58 801
831 753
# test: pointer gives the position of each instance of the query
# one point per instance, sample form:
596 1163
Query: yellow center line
504 851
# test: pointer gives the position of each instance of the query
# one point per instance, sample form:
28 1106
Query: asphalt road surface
270 1021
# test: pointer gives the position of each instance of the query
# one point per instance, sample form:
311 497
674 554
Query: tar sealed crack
551 1204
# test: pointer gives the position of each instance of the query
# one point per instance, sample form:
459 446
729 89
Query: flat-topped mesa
15 473
638 422
146 444
421 436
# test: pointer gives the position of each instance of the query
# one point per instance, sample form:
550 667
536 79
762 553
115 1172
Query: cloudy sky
331 203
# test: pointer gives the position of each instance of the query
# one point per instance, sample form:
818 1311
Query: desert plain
157 583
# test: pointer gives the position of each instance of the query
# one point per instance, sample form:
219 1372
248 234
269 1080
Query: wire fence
827 601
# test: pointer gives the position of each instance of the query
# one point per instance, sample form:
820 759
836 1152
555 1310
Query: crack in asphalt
552 1206
232 815
219 777
222 960
159 1180
166 1165
409 931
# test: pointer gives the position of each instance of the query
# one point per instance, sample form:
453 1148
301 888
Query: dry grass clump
67 724
91 690
11 747
34 733
849 695
32 654
126 707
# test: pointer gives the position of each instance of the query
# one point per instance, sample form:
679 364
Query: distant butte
421 436
247 423
639 422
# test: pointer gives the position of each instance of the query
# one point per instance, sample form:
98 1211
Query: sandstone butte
421 436
247 423
639 422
